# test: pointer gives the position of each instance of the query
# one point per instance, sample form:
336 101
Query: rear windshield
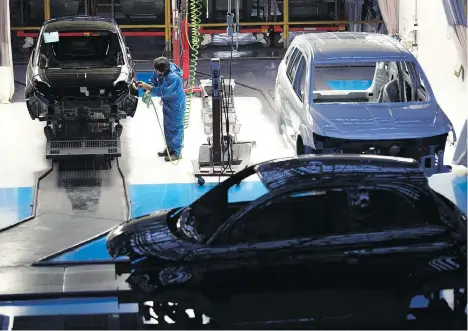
90 47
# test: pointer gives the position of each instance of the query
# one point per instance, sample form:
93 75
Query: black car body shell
391 264
56 93
154 234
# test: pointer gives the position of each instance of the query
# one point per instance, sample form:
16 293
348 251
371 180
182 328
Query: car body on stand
81 68
355 92
362 230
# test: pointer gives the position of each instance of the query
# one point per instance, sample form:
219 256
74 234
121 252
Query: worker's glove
144 86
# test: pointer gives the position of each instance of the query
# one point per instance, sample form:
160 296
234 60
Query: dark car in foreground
80 69
345 239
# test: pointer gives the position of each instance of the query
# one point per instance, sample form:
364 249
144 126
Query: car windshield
374 82
202 218
78 49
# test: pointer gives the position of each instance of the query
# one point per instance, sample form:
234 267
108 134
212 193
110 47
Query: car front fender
307 130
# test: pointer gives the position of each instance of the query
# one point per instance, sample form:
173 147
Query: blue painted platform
15 205
353 85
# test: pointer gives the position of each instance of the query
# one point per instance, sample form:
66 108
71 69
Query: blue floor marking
147 198
460 185
67 306
355 85
15 205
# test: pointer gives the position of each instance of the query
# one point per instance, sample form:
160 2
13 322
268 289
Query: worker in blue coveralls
166 83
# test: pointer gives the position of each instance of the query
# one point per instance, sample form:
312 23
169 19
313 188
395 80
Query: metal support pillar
286 23
46 10
167 23
184 35
216 95
175 33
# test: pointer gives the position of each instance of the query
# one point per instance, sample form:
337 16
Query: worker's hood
175 69
379 121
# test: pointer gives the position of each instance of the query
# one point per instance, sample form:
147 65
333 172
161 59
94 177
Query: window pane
295 216
312 214
138 12
60 8
300 78
292 64
377 82
376 210
26 12
104 8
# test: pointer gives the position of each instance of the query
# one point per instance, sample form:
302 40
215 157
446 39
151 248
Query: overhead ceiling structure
7 86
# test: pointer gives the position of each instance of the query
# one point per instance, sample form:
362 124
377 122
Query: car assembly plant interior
233 164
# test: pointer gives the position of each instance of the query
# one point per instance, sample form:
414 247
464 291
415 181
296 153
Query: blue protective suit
171 90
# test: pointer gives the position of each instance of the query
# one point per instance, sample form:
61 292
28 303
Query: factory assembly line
326 161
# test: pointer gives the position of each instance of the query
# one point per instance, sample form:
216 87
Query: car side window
300 78
305 215
322 213
290 54
376 210
292 65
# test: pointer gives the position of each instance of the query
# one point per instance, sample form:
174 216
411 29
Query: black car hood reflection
147 235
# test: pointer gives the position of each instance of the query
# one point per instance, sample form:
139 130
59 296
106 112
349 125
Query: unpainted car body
329 232
80 67
395 114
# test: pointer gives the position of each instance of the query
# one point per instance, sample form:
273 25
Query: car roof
68 23
299 171
353 45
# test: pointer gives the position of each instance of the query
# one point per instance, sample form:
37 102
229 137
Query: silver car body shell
363 121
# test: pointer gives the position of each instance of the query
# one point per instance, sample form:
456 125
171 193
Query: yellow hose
194 44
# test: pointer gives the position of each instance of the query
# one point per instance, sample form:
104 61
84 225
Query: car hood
148 235
379 121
